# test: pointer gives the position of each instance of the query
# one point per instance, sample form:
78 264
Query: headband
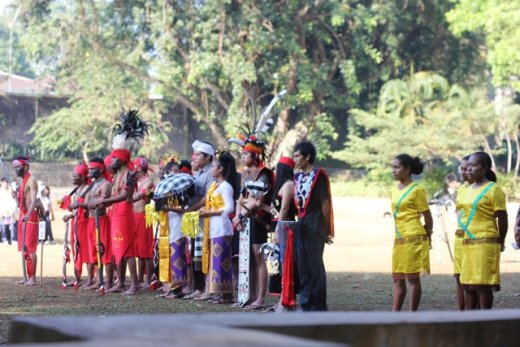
287 161
203 147
23 162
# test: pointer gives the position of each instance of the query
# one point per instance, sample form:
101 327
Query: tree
499 23
330 55
423 116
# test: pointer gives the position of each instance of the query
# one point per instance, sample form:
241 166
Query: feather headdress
130 132
249 136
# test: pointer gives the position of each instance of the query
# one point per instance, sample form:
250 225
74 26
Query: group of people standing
479 238
197 244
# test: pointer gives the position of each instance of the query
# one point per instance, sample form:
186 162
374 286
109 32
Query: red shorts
31 233
106 240
123 231
144 235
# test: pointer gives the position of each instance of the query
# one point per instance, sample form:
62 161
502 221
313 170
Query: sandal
254 307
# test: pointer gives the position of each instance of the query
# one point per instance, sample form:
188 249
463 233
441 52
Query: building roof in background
27 86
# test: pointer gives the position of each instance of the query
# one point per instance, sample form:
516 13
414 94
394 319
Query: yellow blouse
408 215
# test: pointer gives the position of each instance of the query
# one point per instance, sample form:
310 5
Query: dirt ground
358 266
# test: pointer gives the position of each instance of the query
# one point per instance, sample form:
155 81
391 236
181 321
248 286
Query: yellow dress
481 246
411 252
459 233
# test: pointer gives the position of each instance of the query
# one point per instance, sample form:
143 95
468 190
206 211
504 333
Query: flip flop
254 307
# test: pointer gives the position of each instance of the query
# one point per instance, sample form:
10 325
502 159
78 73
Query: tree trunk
517 145
509 153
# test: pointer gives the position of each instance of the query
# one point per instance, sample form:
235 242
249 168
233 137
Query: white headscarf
203 147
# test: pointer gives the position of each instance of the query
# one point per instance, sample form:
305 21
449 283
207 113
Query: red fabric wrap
144 237
83 236
106 240
287 161
81 169
101 166
23 162
108 159
123 155
288 296
31 233
65 204
123 230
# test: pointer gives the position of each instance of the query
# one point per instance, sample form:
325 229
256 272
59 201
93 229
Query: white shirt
174 220
221 225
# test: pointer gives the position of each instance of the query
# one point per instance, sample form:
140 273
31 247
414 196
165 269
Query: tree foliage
422 115
330 55
499 23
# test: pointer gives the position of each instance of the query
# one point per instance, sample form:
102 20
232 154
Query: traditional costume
220 197
144 234
128 137
411 252
104 223
459 233
481 245
31 226
311 192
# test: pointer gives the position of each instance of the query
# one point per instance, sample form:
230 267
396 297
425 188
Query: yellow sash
164 247
214 202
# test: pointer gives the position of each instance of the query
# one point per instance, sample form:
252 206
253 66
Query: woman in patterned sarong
219 206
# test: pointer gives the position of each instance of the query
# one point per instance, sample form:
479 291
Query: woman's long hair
283 174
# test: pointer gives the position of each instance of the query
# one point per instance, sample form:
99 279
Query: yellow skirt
480 262
457 251
411 255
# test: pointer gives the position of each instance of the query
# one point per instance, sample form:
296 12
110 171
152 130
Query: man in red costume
27 203
122 220
79 236
100 190
144 234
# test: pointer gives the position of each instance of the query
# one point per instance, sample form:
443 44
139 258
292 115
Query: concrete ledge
360 329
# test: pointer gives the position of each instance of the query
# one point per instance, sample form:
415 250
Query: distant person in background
45 198
7 208
485 231
411 253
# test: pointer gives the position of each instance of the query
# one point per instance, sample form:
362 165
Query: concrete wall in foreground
358 329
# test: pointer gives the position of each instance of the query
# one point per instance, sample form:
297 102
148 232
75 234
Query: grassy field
358 266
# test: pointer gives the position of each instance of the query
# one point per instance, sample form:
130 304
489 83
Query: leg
134 285
399 294
90 277
415 293
109 271
120 286
32 279
261 275
460 294
8 233
471 299
140 270
485 298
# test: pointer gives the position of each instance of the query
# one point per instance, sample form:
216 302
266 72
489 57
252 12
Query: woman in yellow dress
459 233
485 228
411 253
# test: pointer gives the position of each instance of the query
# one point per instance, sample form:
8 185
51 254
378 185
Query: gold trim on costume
410 239
484 240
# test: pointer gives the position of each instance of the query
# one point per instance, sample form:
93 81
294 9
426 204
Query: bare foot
31 282
132 290
116 289
20 282
144 285
94 286
87 284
